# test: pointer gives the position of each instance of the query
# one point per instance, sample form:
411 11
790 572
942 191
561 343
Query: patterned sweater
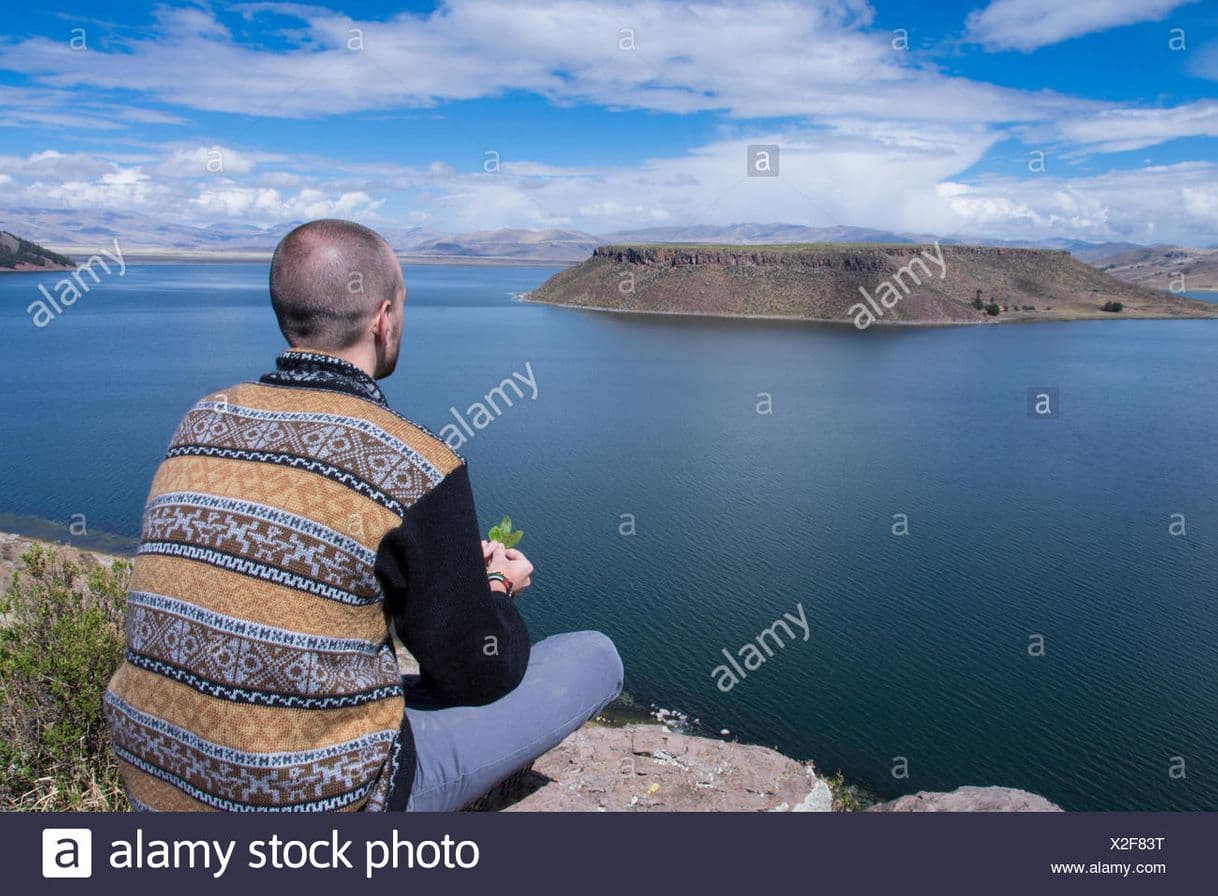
291 523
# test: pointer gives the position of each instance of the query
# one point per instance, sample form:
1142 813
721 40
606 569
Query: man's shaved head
329 278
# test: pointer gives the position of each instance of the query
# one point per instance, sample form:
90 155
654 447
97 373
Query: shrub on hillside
992 309
61 638
1114 307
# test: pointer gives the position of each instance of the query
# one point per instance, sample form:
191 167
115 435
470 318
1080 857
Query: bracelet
502 579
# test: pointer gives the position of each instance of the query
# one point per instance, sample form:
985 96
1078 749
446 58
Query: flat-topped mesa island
859 284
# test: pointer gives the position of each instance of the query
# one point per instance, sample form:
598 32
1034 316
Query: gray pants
464 751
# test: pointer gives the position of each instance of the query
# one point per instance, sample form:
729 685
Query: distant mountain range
512 243
75 231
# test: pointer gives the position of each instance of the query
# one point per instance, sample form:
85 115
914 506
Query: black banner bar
613 853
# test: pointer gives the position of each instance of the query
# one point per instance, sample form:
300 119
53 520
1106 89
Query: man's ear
382 326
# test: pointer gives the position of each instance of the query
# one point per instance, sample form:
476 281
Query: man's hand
509 561
488 551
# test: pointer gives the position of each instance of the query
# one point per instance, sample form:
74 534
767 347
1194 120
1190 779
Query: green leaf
502 533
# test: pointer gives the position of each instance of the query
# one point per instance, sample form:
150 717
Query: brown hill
17 254
1164 267
908 284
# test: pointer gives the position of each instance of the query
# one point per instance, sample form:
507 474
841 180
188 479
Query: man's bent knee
601 654
584 665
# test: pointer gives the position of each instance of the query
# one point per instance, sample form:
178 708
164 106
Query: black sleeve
471 642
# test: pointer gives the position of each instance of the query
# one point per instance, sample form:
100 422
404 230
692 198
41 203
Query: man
293 522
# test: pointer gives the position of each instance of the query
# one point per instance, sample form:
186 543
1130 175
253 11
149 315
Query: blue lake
922 648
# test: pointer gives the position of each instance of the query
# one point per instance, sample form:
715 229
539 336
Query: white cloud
1029 24
56 165
1172 203
828 179
123 189
1116 130
1205 62
894 177
764 59
898 176
205 160
42 107
851 172
174 185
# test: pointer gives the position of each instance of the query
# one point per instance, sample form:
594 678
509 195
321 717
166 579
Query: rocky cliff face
860 284
813 255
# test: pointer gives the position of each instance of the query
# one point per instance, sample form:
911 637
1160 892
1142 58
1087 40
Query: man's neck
362 357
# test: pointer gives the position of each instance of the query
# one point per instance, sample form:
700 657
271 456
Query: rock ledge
969 799
641 768
648 768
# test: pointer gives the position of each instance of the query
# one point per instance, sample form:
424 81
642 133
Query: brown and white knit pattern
260 673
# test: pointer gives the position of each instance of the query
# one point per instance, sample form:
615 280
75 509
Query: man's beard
390 362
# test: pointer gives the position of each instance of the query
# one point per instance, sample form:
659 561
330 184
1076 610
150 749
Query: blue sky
1030 119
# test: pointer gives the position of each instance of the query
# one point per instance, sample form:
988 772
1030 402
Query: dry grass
87 790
